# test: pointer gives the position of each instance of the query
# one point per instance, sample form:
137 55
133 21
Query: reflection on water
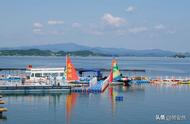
140 101
70 103
3 117
112 95
69 100
118 90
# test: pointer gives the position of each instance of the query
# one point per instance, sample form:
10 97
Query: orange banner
70 70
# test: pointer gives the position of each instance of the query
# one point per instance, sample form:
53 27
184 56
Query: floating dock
99 87
139 81
34 89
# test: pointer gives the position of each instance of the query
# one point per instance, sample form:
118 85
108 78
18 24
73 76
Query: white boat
165 81
44 76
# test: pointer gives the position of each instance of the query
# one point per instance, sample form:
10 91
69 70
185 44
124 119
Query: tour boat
48 76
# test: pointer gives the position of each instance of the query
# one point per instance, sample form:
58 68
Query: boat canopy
98 71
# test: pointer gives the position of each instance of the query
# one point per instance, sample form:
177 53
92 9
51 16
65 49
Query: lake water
141 103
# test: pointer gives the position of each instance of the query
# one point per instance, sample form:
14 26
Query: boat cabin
36 74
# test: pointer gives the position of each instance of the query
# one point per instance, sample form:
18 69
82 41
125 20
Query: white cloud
55 22
48 32
96 32
159 27
164 30
130 9
76 25
36 30
55 32
138 29
113 21
121 32
38 25
171 32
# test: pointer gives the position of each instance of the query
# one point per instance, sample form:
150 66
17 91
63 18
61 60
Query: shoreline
99 56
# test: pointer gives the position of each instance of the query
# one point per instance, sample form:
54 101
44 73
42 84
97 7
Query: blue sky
132 24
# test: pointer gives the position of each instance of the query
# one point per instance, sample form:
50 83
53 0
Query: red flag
111 77
71 72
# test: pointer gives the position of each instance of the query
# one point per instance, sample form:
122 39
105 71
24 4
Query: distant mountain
37 52
57 47
130 52
71 47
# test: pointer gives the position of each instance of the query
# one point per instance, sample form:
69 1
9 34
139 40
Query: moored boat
44 76
184 82
44 80
165 81
139 80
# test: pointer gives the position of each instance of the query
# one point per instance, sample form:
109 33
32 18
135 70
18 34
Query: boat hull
184 82
116 83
